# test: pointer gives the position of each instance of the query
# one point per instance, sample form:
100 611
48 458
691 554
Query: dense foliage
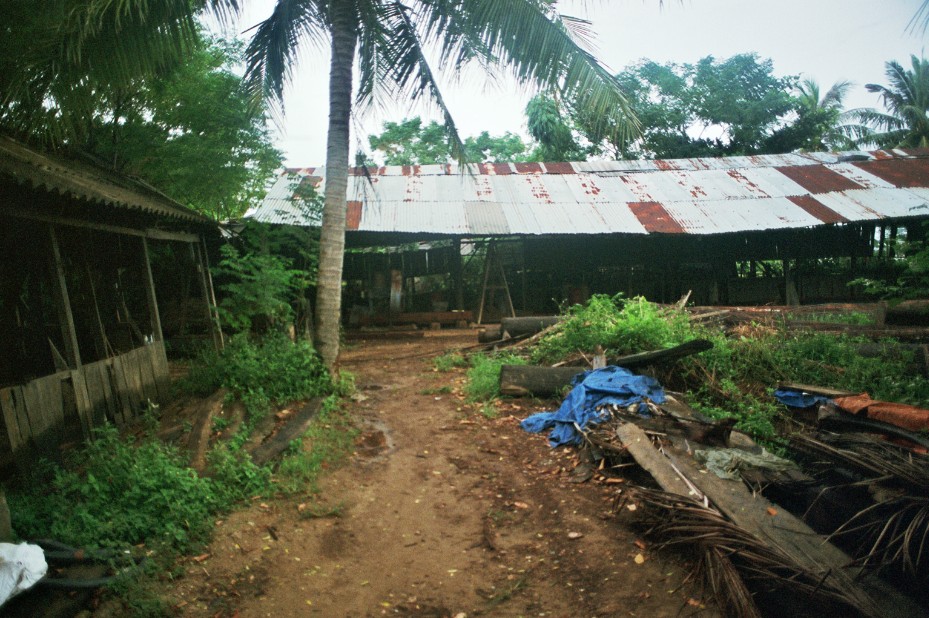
141 90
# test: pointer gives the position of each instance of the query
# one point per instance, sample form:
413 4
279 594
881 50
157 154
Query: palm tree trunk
332 235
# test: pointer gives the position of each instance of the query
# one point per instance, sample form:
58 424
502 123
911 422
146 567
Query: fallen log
524 380
293 428
489 334
527 325
520 380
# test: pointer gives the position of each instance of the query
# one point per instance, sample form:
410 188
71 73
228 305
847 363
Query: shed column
63 304
457 275
150 294
206 288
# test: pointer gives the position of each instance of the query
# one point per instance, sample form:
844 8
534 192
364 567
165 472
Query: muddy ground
439 512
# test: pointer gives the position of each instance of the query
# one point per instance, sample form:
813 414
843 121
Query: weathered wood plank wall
40 416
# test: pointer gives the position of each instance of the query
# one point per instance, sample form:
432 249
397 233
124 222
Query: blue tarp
592 389
798 399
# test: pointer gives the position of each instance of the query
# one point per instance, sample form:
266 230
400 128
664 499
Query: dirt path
441 512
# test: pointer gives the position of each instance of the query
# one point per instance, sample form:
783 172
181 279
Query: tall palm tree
391 42
905 123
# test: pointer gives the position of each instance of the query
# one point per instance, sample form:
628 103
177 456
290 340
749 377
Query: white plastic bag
21 566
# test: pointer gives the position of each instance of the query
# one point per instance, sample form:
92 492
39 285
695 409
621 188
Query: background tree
821 124
389 40
905 123
408 142
173 112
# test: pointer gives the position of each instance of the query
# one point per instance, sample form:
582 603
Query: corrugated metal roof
90 182
682 196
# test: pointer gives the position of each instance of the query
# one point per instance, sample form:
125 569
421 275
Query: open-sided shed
655 228
81 337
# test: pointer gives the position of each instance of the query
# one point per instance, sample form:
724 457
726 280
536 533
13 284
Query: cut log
527 326
520 380
489 334
524 380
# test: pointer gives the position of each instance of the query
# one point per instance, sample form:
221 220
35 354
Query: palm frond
271 54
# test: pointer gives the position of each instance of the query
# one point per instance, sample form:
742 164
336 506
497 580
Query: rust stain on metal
882 155
528 168
590 187
538 190
407 170
638 189
559 168
502 169
664 165
742 180
353 215
483 188
654 218
916 152
902 173
816 208
818 178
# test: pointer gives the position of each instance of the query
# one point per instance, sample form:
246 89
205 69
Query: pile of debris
841 528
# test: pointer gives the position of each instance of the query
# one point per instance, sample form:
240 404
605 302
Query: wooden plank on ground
293 428
647 456
816 390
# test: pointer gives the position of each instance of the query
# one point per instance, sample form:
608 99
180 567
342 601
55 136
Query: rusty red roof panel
654 218
902 173
353 215
528 168
817 209
502 169
559 168
818 179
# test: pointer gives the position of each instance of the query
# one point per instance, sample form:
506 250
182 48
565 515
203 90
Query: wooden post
458 274
206 288
63 304
150 294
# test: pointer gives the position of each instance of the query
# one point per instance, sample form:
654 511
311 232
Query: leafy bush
618 324
258 289
484 375
121 494
273 369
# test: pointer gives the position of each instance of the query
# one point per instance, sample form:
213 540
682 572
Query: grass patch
484 376
449 361
324 445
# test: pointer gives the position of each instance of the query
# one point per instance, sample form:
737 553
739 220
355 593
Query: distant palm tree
905 123
823 119
389 42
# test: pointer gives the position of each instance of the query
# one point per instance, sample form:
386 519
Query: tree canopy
173 112
905 121
410 142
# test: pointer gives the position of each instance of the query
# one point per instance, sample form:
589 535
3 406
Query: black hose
57 553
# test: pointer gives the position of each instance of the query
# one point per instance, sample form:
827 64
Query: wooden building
81 305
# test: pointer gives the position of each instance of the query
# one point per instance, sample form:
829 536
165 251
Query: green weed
449 361
484 375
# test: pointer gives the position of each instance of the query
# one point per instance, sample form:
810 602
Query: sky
827 40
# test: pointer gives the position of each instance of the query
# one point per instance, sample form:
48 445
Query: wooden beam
63 304
150 295
154 234
206 289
